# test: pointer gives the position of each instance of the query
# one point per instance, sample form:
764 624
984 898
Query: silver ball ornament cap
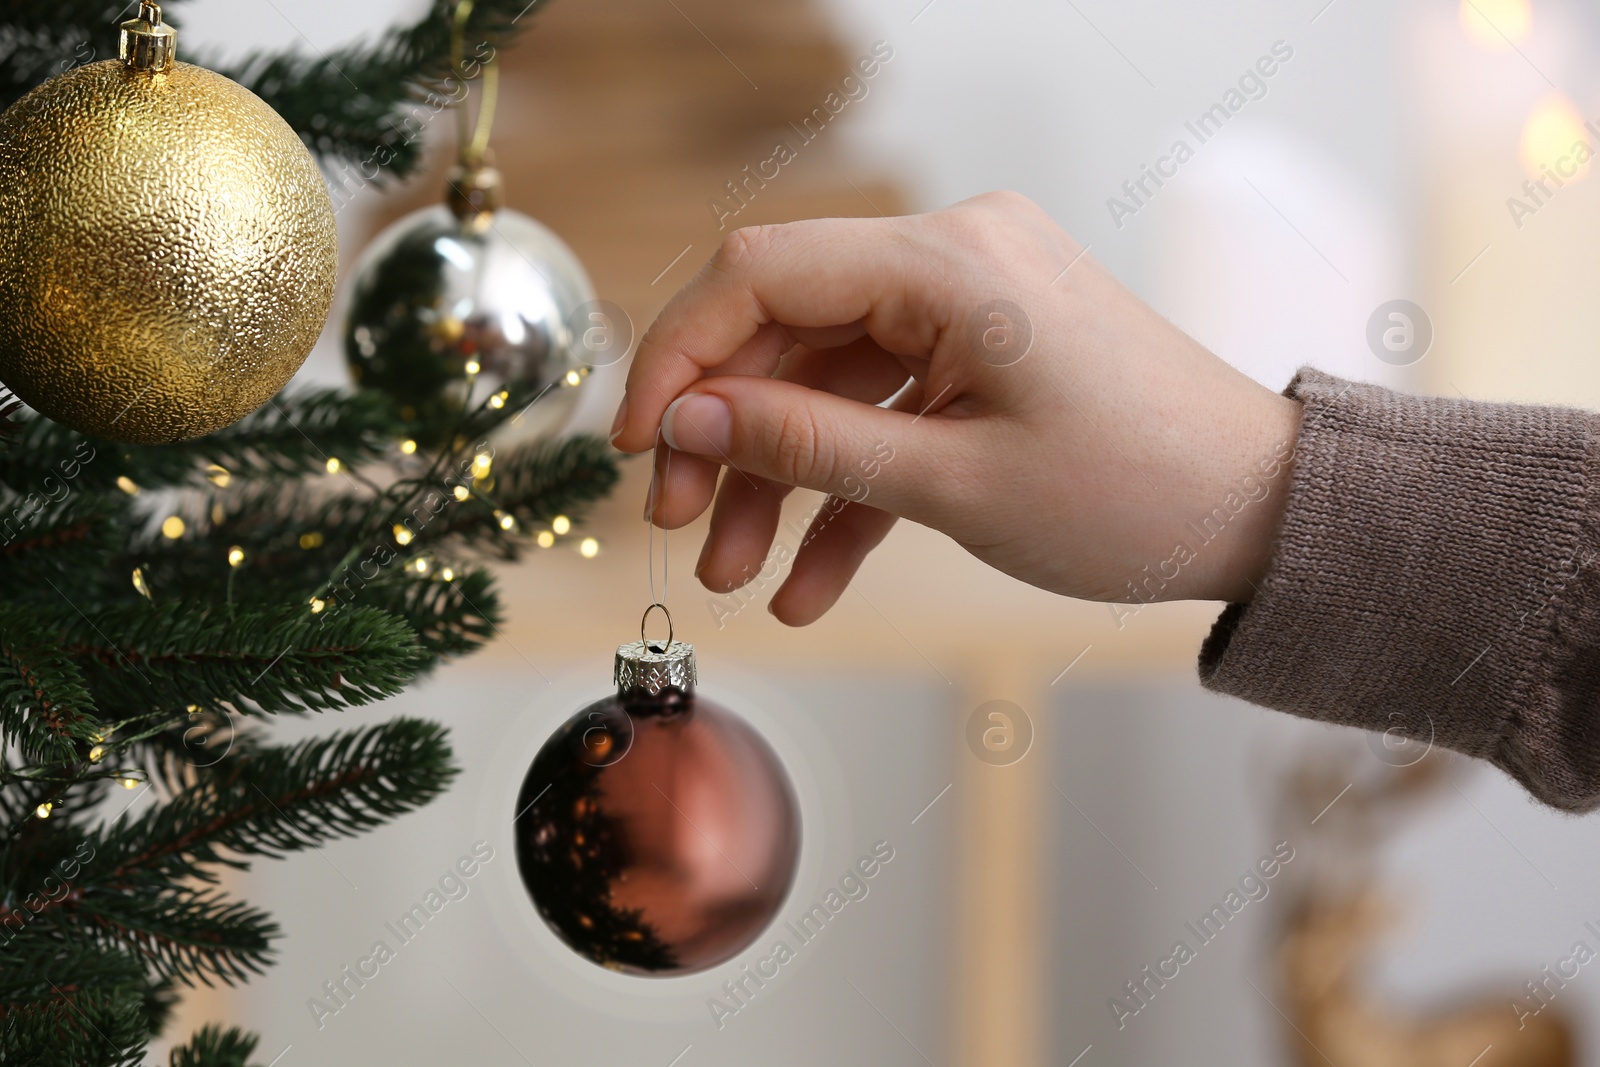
652 669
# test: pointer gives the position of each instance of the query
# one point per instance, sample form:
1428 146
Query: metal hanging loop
645 618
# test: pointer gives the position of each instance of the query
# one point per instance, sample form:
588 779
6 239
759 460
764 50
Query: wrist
1261 469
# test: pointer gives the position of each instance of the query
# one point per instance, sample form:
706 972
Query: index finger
816 273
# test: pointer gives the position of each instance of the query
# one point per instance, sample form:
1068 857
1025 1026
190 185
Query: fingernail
622 417
705 557
700 424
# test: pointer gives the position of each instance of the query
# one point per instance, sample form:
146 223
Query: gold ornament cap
146 42
475 192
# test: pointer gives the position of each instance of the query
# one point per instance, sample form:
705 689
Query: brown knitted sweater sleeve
1435 577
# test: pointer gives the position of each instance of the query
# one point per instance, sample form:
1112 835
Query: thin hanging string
651 503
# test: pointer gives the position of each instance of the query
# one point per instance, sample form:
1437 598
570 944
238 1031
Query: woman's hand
1044 417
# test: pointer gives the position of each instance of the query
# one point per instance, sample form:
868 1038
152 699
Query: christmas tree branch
294 434
279 800
48 547
192 935
72 1004
46 709
212 1046
172 655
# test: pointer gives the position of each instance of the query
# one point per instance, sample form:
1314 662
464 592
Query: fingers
839 539
742 527
816 274
676 481
801 437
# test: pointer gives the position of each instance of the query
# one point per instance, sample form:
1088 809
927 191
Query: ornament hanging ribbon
474 145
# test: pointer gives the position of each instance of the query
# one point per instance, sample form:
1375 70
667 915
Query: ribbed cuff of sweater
1434 577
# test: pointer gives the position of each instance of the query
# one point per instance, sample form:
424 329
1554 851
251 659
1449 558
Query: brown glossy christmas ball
657 832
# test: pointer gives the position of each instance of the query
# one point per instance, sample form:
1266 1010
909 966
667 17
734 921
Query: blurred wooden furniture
1336 924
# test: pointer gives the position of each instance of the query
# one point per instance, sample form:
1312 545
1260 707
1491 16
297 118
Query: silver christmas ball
455 302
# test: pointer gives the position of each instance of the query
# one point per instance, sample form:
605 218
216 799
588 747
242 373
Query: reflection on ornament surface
657 834
446 312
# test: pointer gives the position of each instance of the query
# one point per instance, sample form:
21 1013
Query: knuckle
742 249
1009 203
797 448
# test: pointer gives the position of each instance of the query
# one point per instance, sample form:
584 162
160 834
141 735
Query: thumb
804 437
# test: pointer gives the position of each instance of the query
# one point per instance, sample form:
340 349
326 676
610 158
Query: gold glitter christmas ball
167 246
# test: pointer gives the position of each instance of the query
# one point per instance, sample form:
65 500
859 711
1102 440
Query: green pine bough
158 602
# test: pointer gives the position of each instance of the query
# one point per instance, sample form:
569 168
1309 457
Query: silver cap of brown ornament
146 43
653 669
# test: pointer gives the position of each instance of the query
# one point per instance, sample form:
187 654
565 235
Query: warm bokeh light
589 548
561 525
1497 24
1554 142
172 527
